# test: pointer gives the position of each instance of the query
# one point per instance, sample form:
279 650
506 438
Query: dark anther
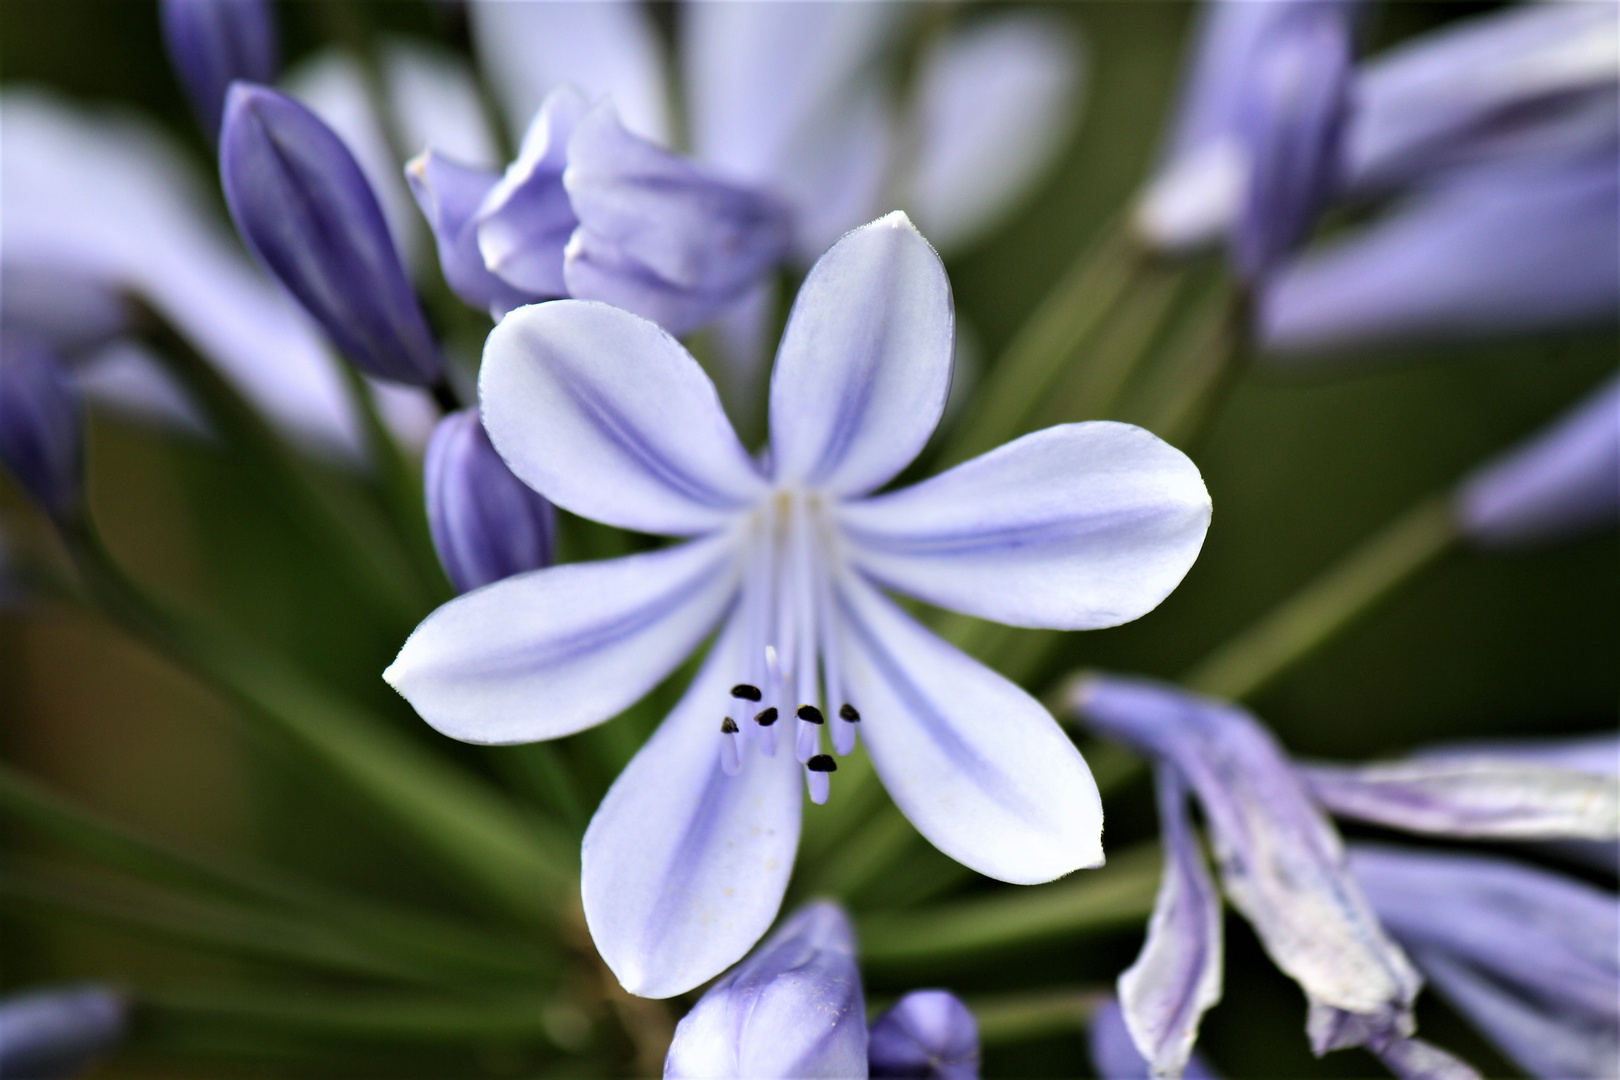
728 726
811 714
848 712
822 763
746 691
766 718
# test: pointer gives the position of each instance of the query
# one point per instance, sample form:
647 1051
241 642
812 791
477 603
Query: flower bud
486 523
59 1032
41 425
794 1007
212 43
302 204
928 1033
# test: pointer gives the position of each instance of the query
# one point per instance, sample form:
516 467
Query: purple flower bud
212 43
304 207
58 1033
658 235
1290 122
1562 482
794 1007
928 1033
41 426
1114 1055
1530 956
1281 861
449 195
486 523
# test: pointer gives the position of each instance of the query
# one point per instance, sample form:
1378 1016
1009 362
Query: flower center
790 640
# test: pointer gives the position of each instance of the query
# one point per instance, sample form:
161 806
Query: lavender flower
1114 1055
1531 957
212 43
59 1032
486 523
1077 526
1280 860
793 1008
1563 481
41 427
928 1034
304 207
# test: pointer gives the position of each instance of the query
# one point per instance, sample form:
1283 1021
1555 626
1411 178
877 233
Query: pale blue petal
608 416
60 1031
1281 861
607 48
449 195
526 219
684 867
865 362
794 1008
1004 90
1075 527
1414 1059
980 768
1177 976
554 651
1114 1055
1598 754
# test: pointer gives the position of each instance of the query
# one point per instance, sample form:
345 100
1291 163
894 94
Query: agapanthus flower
1530 956
686 860
927 1034
57 1032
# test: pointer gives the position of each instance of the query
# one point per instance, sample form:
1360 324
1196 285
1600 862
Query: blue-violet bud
56 1033
794 1007
486 523
212 43
302 204
41 424
928 1033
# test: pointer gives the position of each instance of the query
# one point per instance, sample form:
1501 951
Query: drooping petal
1414 1059
211 43
302 204
980 768
865 362
1177 976
1597 754
59 1031
794 1008
927 1034
685 866
527 218
554 651
449 195
1532 957
1498 249
1075 527
41 423
1281 861
1560 483
659 235
607 49
1114 1055
608 416
1483 796
1517 81
1005 89
97 205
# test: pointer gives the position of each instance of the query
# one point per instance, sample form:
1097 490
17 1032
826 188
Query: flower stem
1006 1018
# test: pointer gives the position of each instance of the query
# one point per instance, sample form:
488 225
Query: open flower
1074 527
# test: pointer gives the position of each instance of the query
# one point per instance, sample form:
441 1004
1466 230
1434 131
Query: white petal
1003 90
605 48
1075 527
980 768
606 415
554 651
865 362
684 867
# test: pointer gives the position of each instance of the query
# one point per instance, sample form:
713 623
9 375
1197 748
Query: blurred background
1301 467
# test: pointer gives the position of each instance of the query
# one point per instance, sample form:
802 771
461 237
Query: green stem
1257 657
1007 1018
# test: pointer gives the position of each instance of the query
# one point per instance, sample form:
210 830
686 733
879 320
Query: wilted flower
53 1034
41 427
927 1034
486 523
304 207
1074 527
212 43
1531 957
